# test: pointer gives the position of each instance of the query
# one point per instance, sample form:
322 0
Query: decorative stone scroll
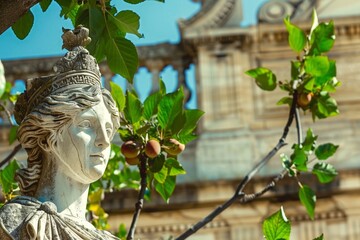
66 122
275 11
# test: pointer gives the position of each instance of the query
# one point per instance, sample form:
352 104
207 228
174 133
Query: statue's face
84 147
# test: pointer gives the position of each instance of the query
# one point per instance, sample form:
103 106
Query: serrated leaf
175 167
192 117
317 66
322 38
151 105
324 172
264 78
122 57
325 151
133 108
127 21
297 37
170 106
44 4
167 188
277 226
118 95
23 25
308 200
326 106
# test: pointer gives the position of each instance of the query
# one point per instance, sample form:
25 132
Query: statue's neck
69 196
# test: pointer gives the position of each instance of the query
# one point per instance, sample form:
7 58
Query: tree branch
239 194
11 155
11 11
140 202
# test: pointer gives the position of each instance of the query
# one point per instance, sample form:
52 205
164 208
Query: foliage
277 226
313 79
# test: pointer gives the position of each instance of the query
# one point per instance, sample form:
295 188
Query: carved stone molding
276 10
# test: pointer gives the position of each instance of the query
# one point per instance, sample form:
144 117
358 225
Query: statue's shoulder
13 213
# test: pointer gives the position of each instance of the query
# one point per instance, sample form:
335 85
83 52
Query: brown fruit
132 161
304 99
152 148
130 149
174 147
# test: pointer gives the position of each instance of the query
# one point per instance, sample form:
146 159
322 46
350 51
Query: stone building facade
242 123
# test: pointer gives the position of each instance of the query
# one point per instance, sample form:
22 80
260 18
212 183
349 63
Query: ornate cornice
275 11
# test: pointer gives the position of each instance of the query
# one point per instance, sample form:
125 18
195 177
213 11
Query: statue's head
69 117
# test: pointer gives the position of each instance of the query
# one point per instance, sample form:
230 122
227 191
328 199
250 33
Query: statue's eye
84 124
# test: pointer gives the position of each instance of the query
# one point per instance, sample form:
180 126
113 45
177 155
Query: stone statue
66 122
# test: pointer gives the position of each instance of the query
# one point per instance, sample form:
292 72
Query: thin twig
140 202
239 194
11 155
298 126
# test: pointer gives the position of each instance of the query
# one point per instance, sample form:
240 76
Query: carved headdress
76 67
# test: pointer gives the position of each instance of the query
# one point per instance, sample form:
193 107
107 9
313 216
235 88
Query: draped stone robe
26 218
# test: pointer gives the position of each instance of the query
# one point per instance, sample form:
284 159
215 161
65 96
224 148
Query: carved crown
76 67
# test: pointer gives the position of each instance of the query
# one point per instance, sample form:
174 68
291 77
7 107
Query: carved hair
40 128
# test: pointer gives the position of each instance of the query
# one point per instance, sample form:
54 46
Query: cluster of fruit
132 150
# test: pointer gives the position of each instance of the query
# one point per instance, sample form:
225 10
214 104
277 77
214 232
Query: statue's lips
98 157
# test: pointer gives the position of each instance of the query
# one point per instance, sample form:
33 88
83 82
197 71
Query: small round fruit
175 147
304 99
130 149
132 161
152 148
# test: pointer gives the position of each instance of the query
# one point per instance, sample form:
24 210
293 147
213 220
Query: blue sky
158 23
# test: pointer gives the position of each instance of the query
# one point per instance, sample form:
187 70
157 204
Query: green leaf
295 70
156 165
175 167
170 106
151 105
317 66
122 57
161 175
192 117
297 37
133 108
308 199
285 100
264 78
299 158
23 25
162 87
13 134
118 95
315 22
127 21
320 237
44 4
122 232
166 188
7 176
325 151
277 226
309 142
322 38
326 106
325 78
324 172
134 1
